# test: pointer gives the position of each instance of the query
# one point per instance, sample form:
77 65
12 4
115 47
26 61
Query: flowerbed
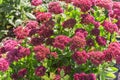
68 40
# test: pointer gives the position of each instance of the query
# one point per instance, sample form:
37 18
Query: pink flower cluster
43 16
101 40
54 7
40 71
84 5
45 31
81 32
112 52
70 23
96 57
107 4
90 42
83 76
80 57
20 74
2 50
57 77
32 25
18 53
95 32
78 41
61 41
10 44
4 64
89 19
36 2
110 27
37 41
116 5
41 52
21 32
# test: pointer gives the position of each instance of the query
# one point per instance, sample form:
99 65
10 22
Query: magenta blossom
83 76
110 27
40 71
96 57
4 64
41 52
87 19
61 41
80 57
10 44
84 5
43 16
22 72
36 2
70 23
32 25
107 4
21 32
54 7
101 40
77 42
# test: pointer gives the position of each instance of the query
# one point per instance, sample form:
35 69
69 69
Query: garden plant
59 40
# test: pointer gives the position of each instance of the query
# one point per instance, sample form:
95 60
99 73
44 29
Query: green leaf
45 78
31 16
111 75
62 73
18 22
66 77
11 22
114 69
1 1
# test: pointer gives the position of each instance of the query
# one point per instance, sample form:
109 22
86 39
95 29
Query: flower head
80 57
110 27
57 77
36 2
45 31
83 76
96 57
41 52
80 31
4 64
43 16
40 71
37 41
101 40
116 5
84 5
61 41
32 25
10 44
69 23
21 32
87 19
95 32
107 4
54 7
90 42
77 42
22 72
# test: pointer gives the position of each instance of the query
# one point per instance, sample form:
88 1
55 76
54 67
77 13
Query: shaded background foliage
12 13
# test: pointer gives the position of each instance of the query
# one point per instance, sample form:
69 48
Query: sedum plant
67 40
